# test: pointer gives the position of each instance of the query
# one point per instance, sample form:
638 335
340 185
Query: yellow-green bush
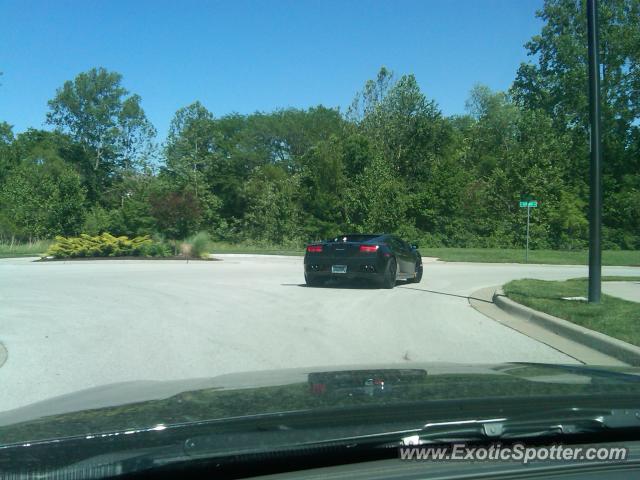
105 245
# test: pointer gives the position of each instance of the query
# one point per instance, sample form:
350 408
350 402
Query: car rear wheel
390 274
418 276
312 280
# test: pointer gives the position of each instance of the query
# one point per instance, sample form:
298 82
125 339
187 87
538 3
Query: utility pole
595 194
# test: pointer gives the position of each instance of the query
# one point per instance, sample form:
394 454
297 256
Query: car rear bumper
346 276
362 267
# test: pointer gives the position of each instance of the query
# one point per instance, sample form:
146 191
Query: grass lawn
613 316
33 249
223 247
508 255
483 255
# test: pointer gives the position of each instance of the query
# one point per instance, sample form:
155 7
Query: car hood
143 404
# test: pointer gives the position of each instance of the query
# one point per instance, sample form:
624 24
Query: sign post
526 251
528 204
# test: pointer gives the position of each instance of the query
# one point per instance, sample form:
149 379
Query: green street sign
527 202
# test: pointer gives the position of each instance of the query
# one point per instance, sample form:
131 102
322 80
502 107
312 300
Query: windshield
213 211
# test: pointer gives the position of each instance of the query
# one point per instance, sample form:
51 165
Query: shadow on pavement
447 294
339 284
355 285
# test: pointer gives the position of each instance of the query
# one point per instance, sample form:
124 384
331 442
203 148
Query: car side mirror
414 246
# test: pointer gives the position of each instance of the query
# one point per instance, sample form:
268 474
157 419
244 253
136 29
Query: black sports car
382 258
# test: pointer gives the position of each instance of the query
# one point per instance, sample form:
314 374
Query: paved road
625 290
74 325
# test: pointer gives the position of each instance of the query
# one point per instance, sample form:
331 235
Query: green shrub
156 249
106 245
97 220
200 245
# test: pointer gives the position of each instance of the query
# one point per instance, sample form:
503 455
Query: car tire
418 276
312 280
390 274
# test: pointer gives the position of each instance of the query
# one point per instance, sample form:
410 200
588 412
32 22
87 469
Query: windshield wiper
283 443
555 423
563 422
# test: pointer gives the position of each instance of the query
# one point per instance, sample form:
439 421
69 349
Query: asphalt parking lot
74 325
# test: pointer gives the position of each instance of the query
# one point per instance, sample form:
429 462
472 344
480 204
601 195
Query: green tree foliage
109 123
42 197
407 128
128 208
376 201
191 145
273 213
7 157
391 162
323 186
556 83
493 132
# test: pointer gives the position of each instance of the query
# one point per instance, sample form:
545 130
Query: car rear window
355 238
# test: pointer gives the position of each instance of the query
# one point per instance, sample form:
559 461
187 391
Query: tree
190 144
43 197
376 201
176 212
235 157
323 184
231 148
493 131
273 210
367 100
557 84
535 163
125 208
7 157
403 124
109 123
408 142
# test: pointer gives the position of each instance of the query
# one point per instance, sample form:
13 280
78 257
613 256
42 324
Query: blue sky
243 56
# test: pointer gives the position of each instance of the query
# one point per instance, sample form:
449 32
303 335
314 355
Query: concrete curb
613 347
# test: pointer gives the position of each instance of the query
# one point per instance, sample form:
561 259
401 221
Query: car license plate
338 269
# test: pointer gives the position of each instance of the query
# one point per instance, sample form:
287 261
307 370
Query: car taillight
369 248
314 248
318 388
